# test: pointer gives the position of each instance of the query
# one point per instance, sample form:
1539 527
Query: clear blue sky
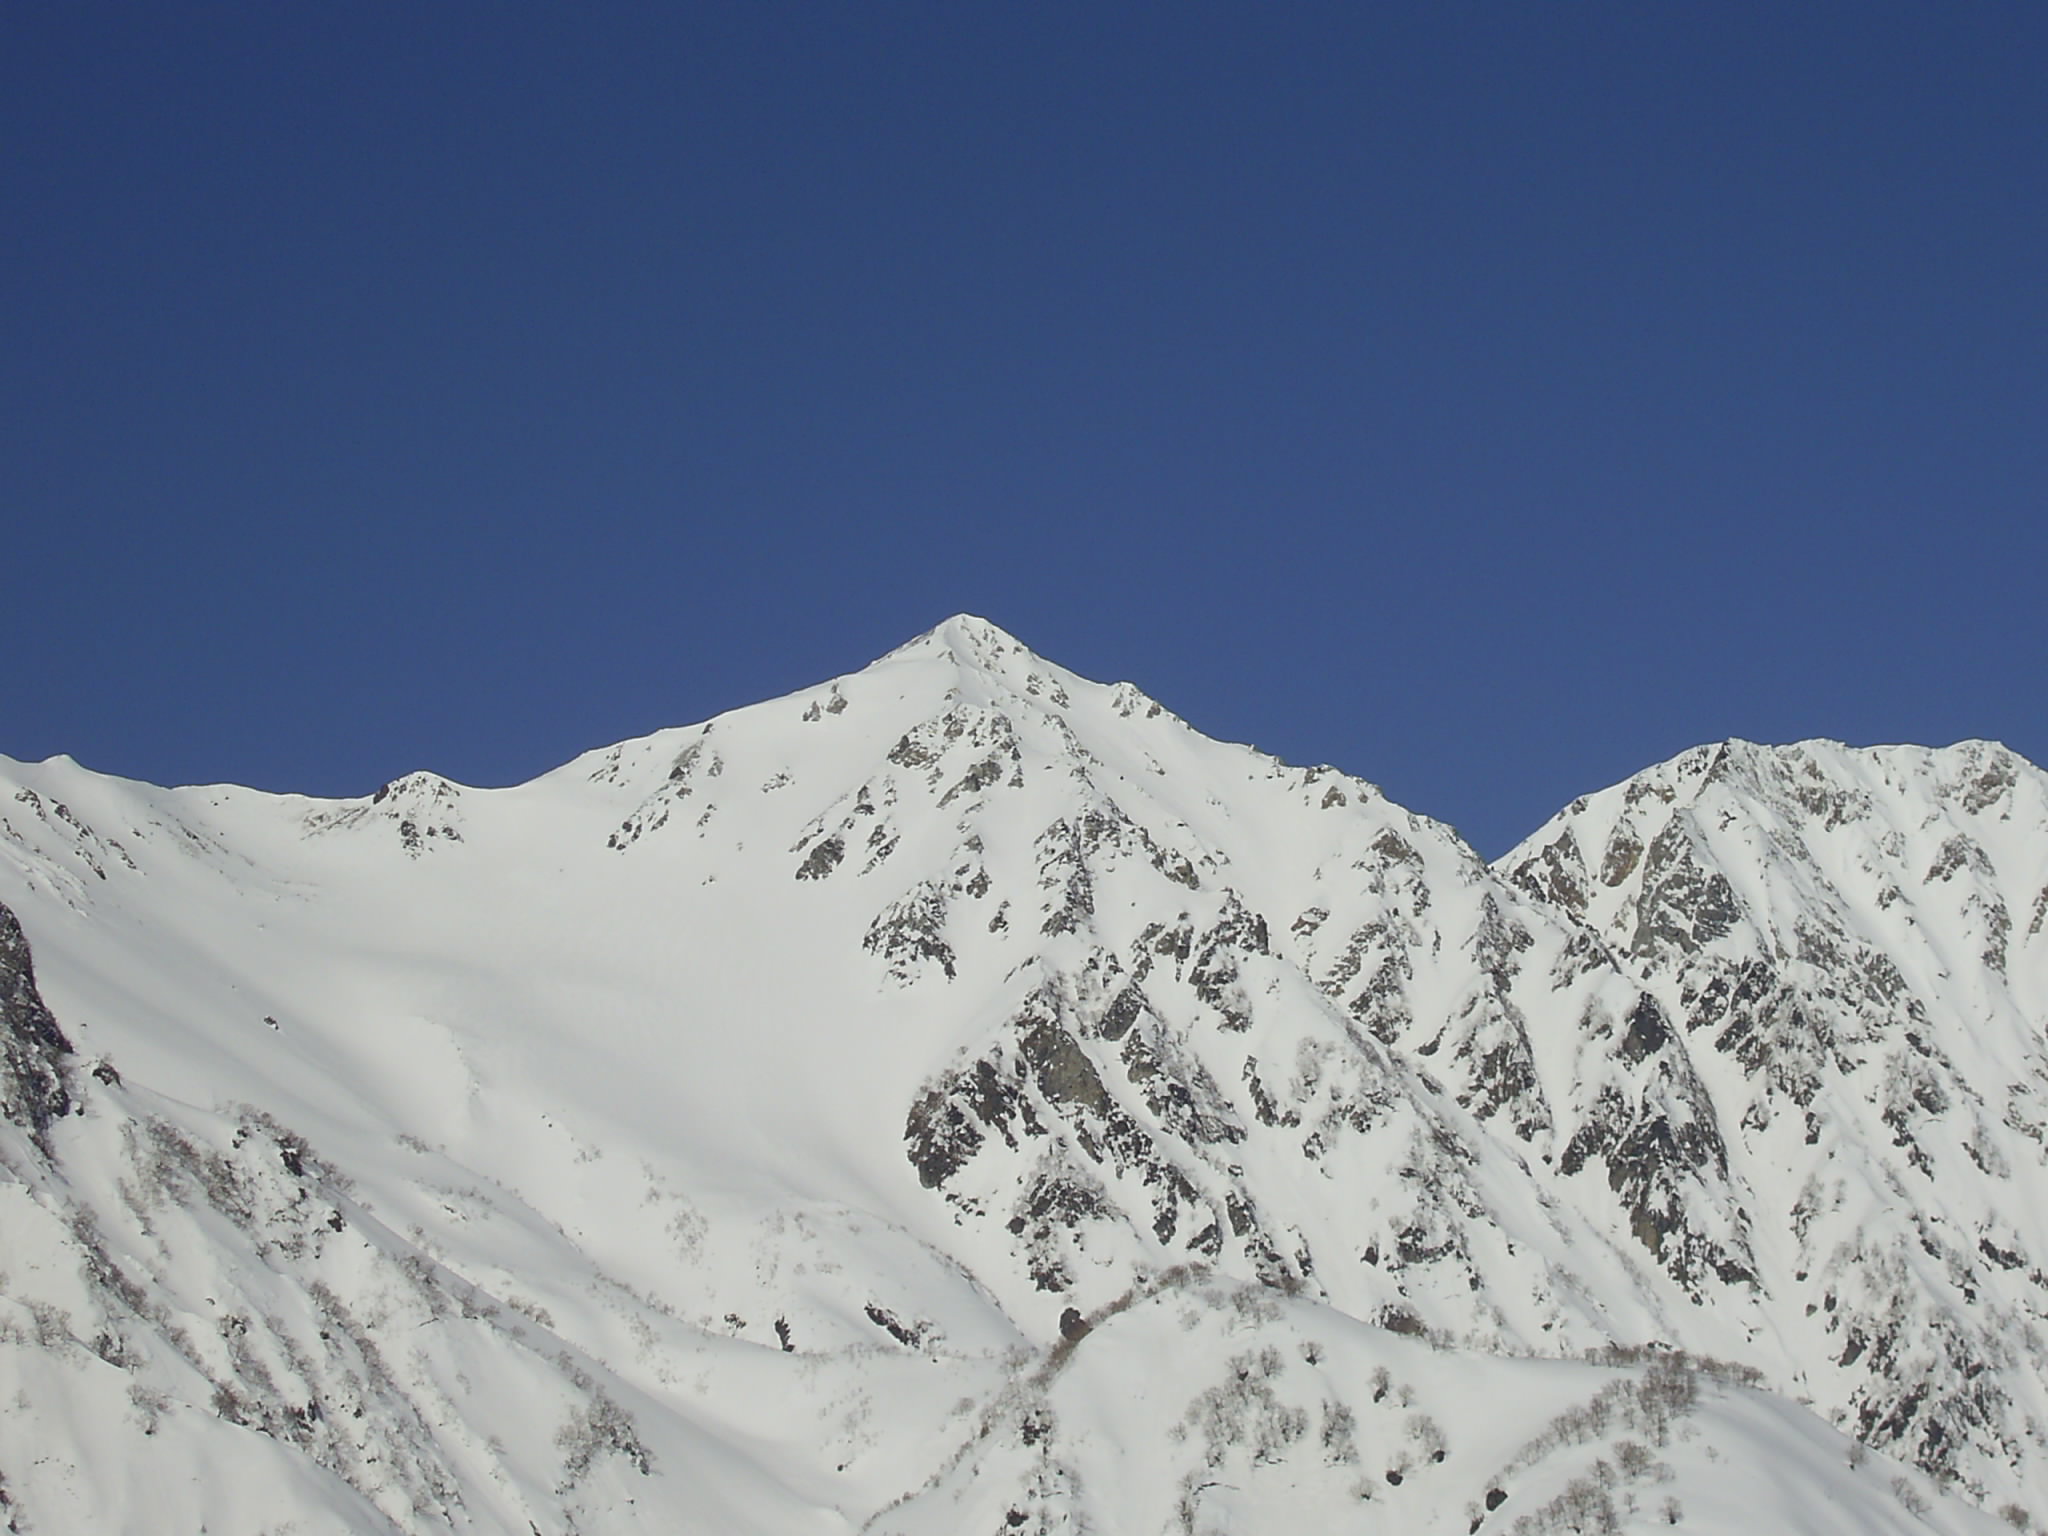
1490 399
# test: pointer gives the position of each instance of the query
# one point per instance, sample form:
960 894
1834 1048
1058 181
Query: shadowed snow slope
960 1097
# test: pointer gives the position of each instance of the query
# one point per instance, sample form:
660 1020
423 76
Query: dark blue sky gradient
1489 399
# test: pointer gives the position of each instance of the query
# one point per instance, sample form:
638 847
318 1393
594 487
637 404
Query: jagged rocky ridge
1834 933
962 1097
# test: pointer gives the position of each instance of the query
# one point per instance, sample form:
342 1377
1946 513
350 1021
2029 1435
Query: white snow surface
960 1097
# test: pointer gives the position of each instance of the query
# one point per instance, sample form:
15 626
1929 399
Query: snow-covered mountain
962 1098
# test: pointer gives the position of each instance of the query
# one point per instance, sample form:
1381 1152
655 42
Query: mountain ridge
963 1009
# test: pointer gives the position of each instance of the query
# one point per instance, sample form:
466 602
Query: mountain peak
980 659
973 642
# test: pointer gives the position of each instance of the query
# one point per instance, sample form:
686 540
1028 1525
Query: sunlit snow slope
962 1098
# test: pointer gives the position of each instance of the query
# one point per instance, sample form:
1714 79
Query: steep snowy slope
1851 942
961 1096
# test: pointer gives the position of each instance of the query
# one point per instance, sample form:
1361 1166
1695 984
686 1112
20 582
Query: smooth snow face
960 1095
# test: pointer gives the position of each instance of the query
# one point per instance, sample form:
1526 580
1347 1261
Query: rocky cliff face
961 1096
34 1090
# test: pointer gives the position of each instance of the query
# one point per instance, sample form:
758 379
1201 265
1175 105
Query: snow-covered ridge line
875 1107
